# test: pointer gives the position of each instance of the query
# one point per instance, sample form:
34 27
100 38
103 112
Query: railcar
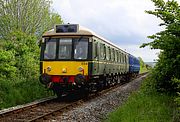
134 65
73 57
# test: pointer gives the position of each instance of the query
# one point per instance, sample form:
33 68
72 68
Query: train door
95 53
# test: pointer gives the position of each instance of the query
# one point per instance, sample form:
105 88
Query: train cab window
81 49
65 48
50 49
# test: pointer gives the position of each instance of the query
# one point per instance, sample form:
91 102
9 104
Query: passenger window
122 58
102 51
95 49
107 54
119 57
115 56
112 55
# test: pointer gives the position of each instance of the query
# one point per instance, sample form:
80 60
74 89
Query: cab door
95 57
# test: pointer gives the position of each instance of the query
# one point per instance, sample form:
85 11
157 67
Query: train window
102 51
81 48
122 55
50 49
116 56
107 54
112 54
119 57
124 58
65 48
95 49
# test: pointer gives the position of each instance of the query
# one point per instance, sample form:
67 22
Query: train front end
64 59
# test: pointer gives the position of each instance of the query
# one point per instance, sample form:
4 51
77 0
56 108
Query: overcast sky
123 22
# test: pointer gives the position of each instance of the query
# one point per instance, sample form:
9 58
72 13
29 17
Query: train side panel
107 60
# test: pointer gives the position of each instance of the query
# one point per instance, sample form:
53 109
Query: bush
168 41
19 71
7 64
20 93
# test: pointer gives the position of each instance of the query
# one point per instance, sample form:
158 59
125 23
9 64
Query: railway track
45 109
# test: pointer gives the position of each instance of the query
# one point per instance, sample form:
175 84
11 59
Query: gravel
97 109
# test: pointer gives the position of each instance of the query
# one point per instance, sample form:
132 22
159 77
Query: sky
123 22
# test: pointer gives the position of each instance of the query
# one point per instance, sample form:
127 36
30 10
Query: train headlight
80 69
48 68
64 70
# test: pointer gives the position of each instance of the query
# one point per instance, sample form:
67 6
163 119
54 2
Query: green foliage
29 16
166 74
22 23
7 64
20 93
26 53
168 41
178 97
143 107
143 66
19 72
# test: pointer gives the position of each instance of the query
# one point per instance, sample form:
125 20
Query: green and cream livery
74 57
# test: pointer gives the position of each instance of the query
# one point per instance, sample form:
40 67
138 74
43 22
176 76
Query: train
75 58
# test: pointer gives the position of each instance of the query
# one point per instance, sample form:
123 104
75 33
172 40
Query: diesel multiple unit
74 57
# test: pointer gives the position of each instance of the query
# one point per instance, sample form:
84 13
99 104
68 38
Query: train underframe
64 85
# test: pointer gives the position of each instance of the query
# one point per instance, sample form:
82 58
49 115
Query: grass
143 69
21 93
143 107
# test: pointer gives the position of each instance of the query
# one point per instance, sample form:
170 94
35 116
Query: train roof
80 31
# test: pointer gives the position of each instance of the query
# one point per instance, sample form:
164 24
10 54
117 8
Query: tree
22 23
28 16
168 41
